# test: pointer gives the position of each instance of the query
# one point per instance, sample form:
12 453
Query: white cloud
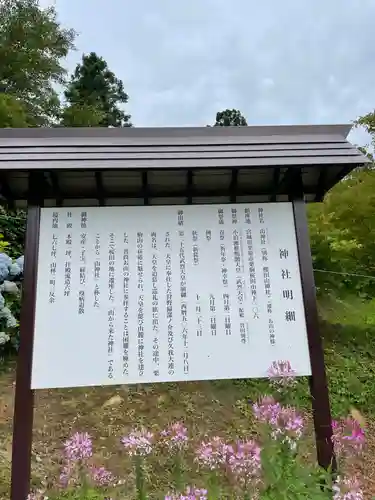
296 61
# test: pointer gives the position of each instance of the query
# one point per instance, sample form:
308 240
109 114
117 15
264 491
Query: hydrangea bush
11 273
267 466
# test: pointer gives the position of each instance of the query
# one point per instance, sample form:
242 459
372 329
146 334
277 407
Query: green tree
367 122
80 115
341 228
12 112
32 45
94 96
340 231
230 118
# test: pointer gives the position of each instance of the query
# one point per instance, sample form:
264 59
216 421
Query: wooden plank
172 149
46 157
168 141
174 164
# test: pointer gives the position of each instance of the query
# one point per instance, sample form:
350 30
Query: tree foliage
341 231
82 115
367 122
94 96
32 45
230 118
12 112
13 226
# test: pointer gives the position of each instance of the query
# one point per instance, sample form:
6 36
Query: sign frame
288 180
24 396
234 287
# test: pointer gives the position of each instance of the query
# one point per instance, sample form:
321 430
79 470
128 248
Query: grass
205 407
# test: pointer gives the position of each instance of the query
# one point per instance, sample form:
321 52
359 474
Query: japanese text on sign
166 293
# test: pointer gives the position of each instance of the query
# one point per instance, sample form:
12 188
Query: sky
279 62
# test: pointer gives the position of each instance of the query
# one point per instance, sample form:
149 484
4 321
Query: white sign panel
167 293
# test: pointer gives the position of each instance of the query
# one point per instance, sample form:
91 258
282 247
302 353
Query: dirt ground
109 413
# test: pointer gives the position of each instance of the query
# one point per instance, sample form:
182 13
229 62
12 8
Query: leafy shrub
13 227
340 232
11 272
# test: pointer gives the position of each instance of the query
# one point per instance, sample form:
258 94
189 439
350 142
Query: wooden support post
318 380
24 396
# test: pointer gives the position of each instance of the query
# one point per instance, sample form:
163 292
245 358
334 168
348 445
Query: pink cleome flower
77 450
101 476
347 488
138 442
285 422
281 373
190 494
175 436
267 410
289 422
245 461
348 437
67 474
213 454
78 447
37 495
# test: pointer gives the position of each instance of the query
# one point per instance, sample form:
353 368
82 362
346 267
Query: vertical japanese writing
227 317
195 247
266 276
247 216
183 294
111 267
53 265
223 258
125 303
82 265
236 250
140 315
287 293
111 299
234 215
213 315
220 216
238 261
180 217
252 273
111 330
198 308
213 326
266 279
198 311
97 271
155 306
175 291
224 275
261 215
68 257
168 276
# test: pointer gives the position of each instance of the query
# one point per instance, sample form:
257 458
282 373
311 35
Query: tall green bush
341 230
11 272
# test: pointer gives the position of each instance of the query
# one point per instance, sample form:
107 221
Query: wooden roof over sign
97 166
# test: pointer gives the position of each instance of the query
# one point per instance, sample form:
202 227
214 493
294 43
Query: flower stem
140 479
214 487
177 472
83 477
